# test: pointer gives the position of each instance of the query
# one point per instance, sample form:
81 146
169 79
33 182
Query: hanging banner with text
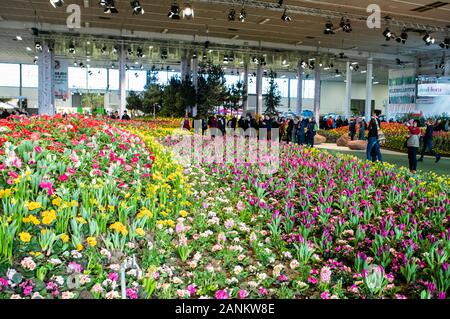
402 92
60 79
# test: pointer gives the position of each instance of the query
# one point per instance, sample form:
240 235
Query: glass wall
10 74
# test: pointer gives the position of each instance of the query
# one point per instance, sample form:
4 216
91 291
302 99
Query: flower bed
320 227
80 197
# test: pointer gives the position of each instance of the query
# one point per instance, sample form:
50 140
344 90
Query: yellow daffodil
65 238
34 205
48 217
25 237
92 241
80 247
57 201
119 227
31 219
140 231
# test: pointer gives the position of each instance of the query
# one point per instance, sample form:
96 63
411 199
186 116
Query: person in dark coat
125 116
428 142
290 128
311 132
352 128
222 124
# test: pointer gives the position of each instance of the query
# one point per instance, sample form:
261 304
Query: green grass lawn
428 165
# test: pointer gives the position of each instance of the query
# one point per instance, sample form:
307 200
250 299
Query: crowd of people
115 116
4 113
299 130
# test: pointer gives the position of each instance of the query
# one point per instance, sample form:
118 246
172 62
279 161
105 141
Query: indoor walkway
399 159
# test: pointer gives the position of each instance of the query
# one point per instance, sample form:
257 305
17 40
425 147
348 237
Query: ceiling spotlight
346 25
428 39
113 66
225 59
139 53
402 38
35 61
232 15
72 48
19 38
136 6
164 54
109 6
56 3
141 67
174 12
280 3
445 44
243 15
255 60
130 51
90 72
328 28
38 46
115 49
388 34
81 65
188 12
103 50
285 17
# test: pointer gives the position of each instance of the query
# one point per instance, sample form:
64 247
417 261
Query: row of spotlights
344 25
388 35
56 3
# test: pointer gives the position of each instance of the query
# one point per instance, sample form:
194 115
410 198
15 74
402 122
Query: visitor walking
428 142
362 129
339 122
413 145
222 124
290 128
352 128
301 127
311 132
372 143
330 123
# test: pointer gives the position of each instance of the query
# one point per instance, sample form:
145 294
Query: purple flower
192 289
75 267
242 294
113 276
441 295
325 295
3 283
262 291
132 293
221 294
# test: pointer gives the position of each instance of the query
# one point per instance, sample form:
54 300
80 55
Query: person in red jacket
186 125
330 123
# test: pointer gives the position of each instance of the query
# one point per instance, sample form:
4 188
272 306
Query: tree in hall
177 96
273 95
153 96
235 94
211 91
134 101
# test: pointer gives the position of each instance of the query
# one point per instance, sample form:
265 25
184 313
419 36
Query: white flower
132 272
112 294
287 255
210 268
261 276
76 254
176 280
58 279
15 297
294 264
37 295
55 261
67 295
197 256
237 270
277 269
252 284
97 288
28 263
84 279
106 253
114 267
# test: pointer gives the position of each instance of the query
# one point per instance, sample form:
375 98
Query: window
30 76
97 80
10 74
136 80
113 80
293 84
283 86
251 85
308 89
231 79
77 78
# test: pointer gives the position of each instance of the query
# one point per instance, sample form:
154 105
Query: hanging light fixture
243 15
402 38
136 6
388 34
188 11
346 25
72 48
328 28
428 39
174 12
285 17
109 6
445 44
57 3
232 15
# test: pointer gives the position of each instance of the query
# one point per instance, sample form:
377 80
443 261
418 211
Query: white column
259 95
122 79
369 82
447 67
317 94
348 92
46 97
195 81
245 108
299 108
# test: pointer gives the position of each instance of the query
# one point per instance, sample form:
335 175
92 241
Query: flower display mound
78 199
343 140
319 139
320 227
357 145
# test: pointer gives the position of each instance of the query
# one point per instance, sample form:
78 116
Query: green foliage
134 101
93 101
177 96
235 94
273 95
211 89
